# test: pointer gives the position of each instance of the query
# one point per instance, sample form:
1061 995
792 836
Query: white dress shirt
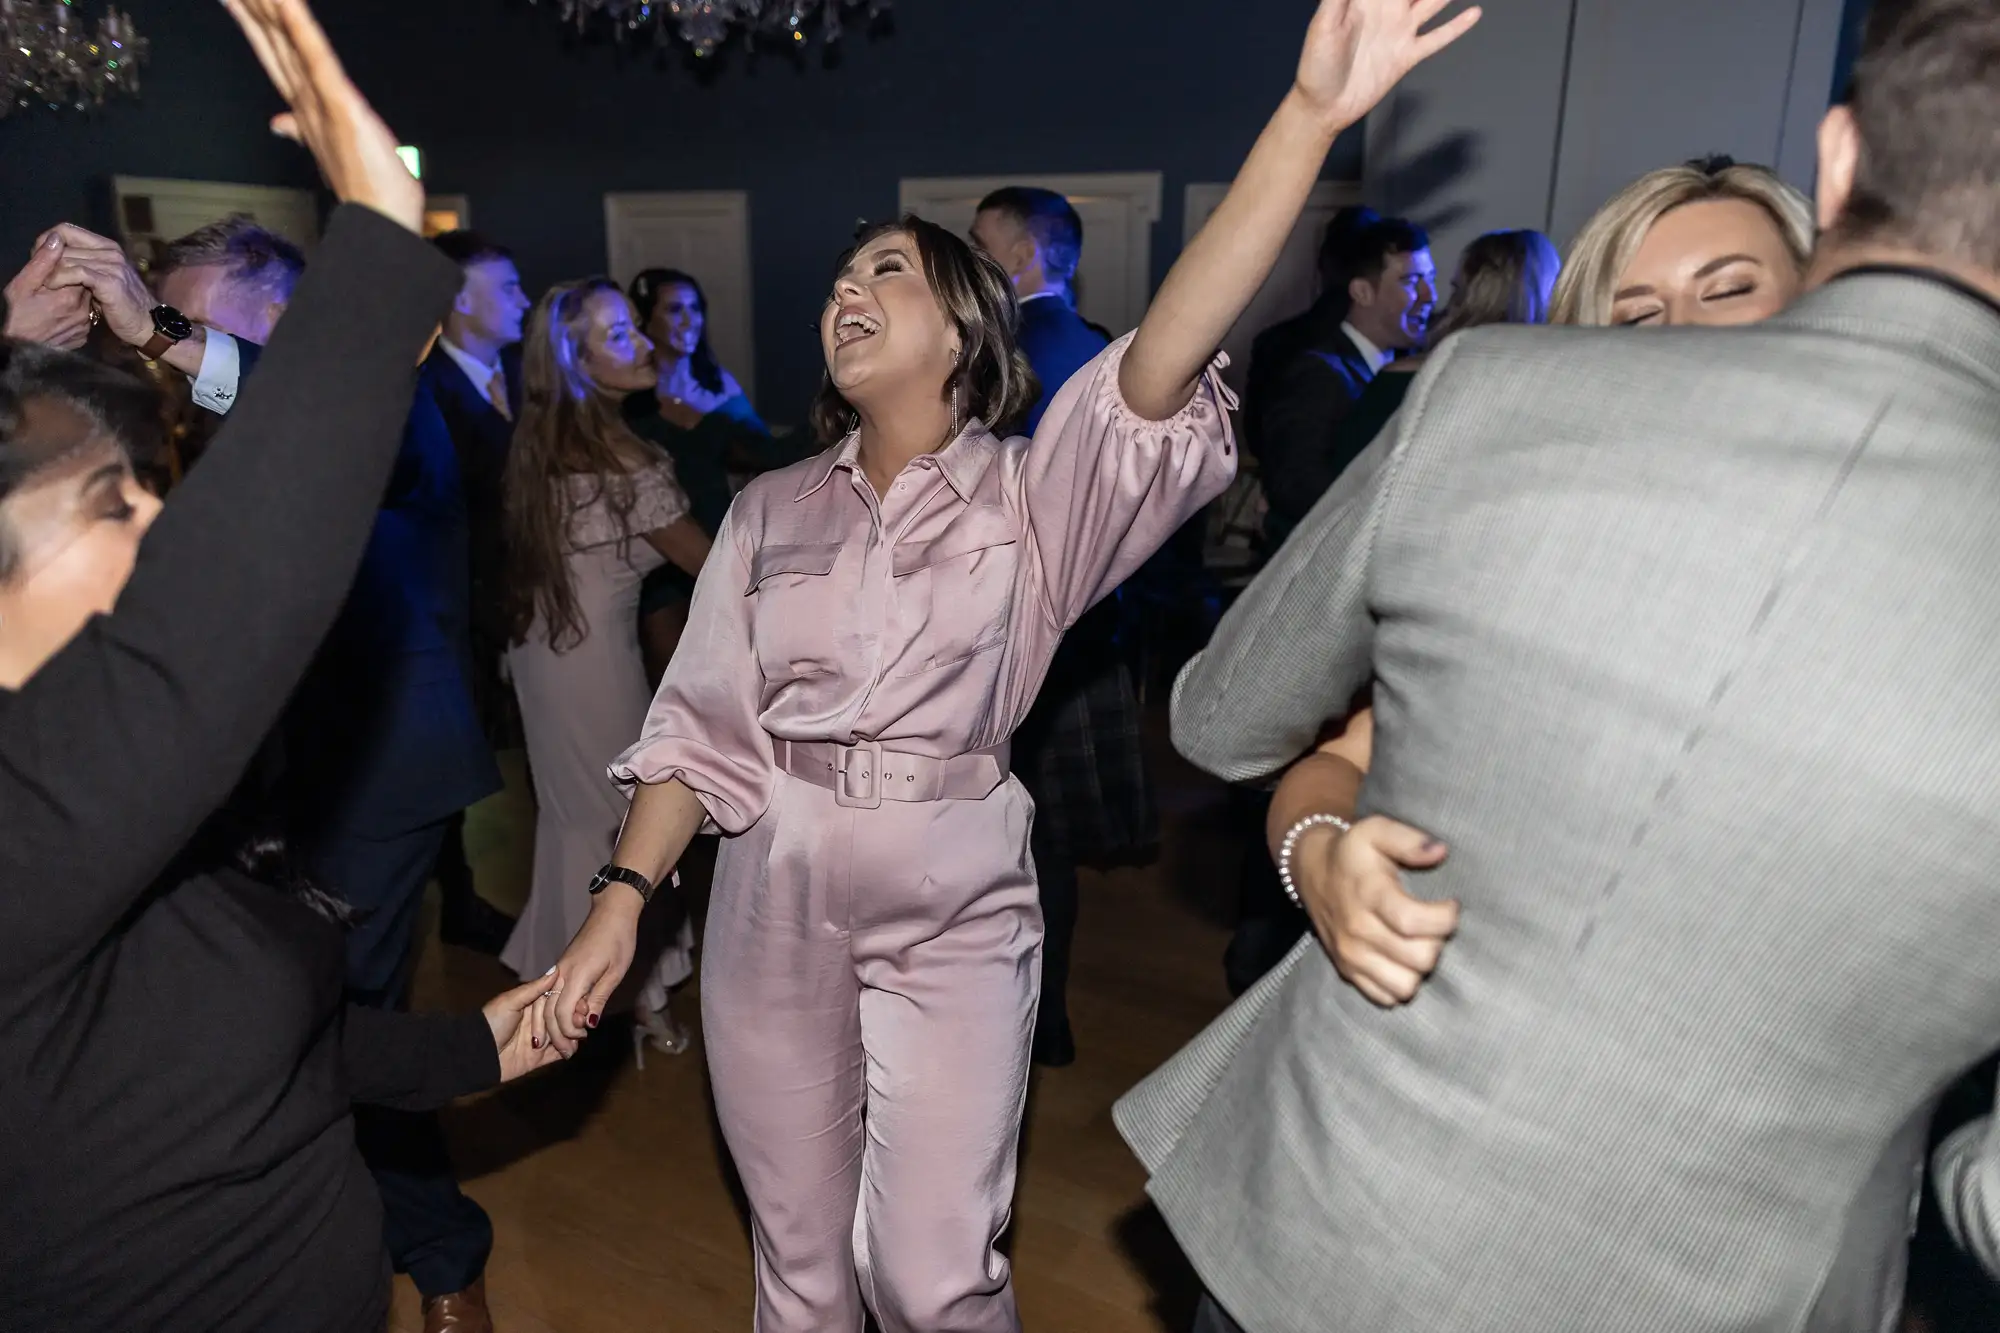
1375 356
221 368
481 374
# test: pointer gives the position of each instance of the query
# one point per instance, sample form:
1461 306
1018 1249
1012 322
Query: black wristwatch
610 875
170 326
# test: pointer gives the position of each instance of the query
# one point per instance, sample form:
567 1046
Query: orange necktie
496 393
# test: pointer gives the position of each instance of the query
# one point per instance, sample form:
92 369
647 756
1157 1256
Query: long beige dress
582 708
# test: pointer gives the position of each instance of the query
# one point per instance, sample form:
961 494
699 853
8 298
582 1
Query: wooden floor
613 1206
612 1203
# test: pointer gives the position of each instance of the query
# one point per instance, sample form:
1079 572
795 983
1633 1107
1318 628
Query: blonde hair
1608 242
570 426
1504 277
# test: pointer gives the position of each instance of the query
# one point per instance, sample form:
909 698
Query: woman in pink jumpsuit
871 627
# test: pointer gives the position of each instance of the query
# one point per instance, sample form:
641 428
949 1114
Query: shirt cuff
221 368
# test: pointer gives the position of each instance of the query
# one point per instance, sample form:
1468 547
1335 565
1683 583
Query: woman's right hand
591 968
1383 941
355 150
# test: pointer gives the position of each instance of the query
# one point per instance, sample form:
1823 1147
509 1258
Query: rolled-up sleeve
1103 488
220 375
704 727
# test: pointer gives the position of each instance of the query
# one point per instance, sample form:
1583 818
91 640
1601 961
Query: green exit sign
413 158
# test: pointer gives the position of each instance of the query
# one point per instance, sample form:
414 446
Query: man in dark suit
474 374
1078 753
381 747
1038 238
1378 286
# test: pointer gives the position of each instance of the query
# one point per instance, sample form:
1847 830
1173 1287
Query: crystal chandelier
47 55
706 24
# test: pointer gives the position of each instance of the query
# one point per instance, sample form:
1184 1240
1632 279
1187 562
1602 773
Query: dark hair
1925 102
247 252
569 427
119 409
645 296
976 295
1374 244
1050 218
1504 277
1336 247
123 411
466 248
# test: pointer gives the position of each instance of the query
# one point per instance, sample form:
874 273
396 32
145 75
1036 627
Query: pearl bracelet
1291 844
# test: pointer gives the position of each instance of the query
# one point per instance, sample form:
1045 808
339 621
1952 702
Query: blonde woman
1709 242
591 509
1712 242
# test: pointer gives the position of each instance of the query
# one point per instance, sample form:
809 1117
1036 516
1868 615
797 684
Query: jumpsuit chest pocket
955 592
794 625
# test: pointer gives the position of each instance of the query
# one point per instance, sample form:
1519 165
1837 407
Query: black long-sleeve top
176 1064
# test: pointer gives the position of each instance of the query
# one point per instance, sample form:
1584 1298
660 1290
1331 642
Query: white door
152 212
702 232
1115 280
1294 281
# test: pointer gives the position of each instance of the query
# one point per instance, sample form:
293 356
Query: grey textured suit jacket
1688 643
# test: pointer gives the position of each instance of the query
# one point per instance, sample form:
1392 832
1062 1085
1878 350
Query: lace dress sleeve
657 502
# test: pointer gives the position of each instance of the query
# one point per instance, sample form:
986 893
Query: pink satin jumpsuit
841 702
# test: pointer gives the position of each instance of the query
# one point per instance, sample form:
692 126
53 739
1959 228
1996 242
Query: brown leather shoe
461 1312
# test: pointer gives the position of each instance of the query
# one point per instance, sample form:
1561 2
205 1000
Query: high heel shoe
659 1029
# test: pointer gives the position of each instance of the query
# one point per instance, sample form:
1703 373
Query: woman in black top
698 414
176 1149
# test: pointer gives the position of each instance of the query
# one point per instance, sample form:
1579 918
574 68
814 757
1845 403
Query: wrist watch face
172 324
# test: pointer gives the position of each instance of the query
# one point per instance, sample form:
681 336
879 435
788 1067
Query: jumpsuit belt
863 775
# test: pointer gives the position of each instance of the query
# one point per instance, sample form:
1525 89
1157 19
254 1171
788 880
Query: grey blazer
1687 642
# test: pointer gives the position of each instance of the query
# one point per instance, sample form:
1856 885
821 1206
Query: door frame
624 208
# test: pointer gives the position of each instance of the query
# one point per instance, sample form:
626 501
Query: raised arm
118 748
1355 52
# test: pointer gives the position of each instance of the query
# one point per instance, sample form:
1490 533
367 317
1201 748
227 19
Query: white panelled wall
1550 106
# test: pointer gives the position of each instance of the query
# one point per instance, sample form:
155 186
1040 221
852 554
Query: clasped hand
1383 940
591 968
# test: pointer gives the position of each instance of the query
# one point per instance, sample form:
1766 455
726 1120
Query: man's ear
1839 157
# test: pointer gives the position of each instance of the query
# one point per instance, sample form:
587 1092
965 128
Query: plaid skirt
1079 752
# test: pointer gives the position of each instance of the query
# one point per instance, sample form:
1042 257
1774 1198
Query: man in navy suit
474 374
1038 238
1378 286
382 746
1078 753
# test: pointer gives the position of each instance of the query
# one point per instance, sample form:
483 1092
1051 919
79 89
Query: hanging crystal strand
706 24
48 54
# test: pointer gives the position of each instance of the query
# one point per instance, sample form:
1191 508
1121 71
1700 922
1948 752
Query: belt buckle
858 783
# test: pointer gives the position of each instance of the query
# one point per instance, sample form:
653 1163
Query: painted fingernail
535 1042
551 972
591 1021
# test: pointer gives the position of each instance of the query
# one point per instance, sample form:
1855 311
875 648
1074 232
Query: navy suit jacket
1058 343
481 436
382 737
1306 374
